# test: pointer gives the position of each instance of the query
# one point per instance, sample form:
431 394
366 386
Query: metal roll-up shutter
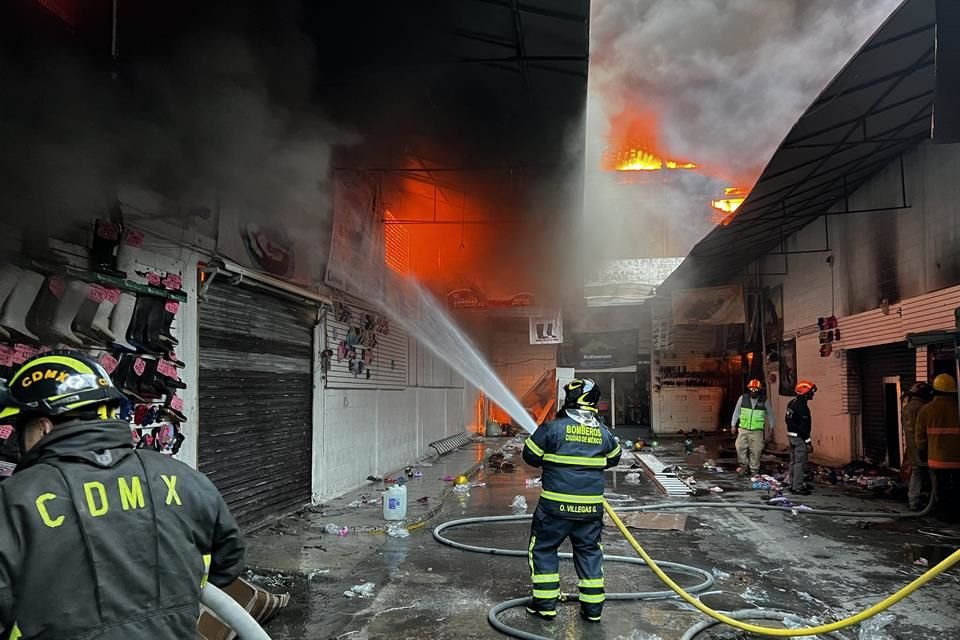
256 398
876 363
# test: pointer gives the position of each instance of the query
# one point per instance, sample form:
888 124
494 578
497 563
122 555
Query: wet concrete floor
812 566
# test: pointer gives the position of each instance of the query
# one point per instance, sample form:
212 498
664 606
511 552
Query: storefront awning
925 338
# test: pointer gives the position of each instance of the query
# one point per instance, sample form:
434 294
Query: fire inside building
339 320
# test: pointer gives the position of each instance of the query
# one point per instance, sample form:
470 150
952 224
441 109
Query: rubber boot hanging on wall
67 309
120 320
18 305
9 274
101 320
103 252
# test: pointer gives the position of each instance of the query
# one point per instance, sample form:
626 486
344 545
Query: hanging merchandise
369 353
829 333
117 309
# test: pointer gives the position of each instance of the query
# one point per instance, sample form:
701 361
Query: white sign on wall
547 328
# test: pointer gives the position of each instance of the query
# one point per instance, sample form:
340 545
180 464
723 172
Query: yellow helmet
944 383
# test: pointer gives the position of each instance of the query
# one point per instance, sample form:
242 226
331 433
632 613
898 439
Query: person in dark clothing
98 540
799 423
573 451
916 398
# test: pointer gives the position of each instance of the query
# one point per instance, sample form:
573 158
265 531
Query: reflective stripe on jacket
938 432
752 419
573 457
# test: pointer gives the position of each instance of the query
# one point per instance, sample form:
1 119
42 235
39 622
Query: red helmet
754 385
804 387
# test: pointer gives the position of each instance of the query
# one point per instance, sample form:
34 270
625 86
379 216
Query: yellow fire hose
881 606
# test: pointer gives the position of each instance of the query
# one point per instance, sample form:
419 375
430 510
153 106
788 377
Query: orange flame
727 206
635 145
641 160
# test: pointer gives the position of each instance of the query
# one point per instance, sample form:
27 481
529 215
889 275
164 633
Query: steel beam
849 121
540 11
520 46
901 73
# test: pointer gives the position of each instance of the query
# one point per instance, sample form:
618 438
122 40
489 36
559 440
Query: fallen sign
664 477
652 521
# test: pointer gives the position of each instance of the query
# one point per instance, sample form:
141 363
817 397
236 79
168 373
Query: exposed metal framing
486 38
812 204
843 123
799 218
521 47
899 37
897 79
566 72
522 59
826 243
916 66
540 11
855 143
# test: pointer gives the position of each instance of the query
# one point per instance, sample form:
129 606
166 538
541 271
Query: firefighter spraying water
573 451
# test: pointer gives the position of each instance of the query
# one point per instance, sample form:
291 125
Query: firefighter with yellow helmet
937 430
98 539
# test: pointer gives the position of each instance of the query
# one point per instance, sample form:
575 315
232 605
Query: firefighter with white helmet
573 451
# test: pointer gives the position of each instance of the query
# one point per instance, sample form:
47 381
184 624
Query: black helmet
55 383
920 390
582 393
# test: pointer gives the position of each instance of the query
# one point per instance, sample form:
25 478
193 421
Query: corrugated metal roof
876 108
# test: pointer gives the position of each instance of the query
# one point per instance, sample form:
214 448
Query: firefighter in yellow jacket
938 442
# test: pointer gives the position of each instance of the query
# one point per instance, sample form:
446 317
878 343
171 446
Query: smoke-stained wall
896 254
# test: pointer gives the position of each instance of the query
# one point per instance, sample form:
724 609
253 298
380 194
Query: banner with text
713 305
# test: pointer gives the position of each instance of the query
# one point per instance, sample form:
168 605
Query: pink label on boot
107 230
113 295
108 362
6 355
97 293
6 430
173 282
172 307
164 368
57 286
139 366
134 238
176 403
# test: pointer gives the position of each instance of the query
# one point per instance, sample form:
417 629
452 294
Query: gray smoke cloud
724 79
221 124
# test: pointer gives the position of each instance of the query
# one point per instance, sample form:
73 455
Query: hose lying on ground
881 606
685 594
230 611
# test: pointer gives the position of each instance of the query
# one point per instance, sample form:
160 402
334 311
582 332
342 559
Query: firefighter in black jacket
98 540
573 450
799 424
